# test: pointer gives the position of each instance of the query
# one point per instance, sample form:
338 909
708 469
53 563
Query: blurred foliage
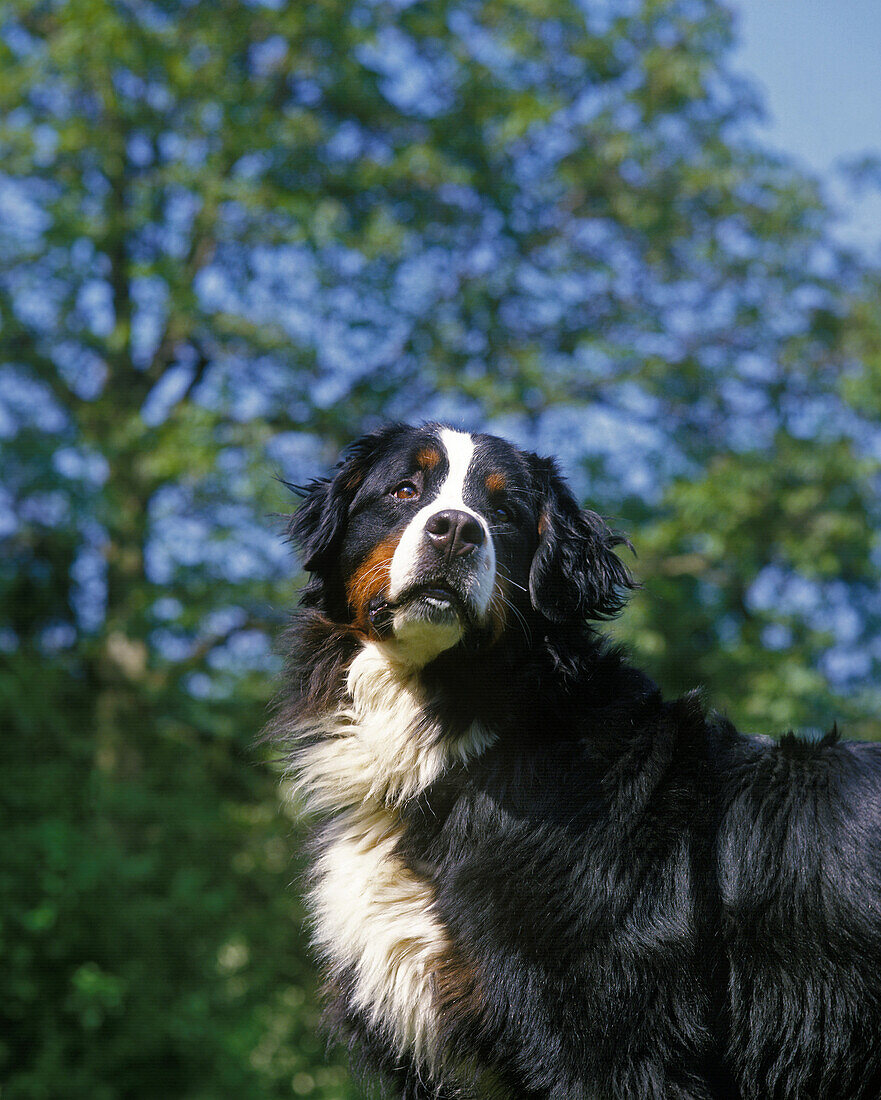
235 235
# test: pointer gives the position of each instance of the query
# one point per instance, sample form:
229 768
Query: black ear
316 529
575 573
318 525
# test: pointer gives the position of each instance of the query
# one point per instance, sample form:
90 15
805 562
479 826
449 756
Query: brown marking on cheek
542 525
428 458
498 609
496 482
370 579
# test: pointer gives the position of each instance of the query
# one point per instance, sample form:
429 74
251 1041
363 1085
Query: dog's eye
405 491
502 513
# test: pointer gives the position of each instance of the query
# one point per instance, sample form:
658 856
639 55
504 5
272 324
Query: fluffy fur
534 877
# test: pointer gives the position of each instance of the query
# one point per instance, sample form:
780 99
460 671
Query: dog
533 877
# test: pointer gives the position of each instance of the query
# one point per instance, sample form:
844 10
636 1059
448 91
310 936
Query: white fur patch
460 451
371 913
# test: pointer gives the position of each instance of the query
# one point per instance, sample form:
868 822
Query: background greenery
235 235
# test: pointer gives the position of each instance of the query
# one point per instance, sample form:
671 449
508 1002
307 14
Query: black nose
454 534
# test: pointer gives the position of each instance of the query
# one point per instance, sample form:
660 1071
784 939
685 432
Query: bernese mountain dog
533 877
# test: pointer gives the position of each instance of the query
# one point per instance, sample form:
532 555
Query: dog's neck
381 747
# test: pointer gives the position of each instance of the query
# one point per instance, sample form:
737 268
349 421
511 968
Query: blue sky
817 64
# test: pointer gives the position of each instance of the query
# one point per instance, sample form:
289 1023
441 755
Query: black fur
574 575
643 903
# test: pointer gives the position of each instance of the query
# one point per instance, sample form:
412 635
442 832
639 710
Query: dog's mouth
435 596
432 601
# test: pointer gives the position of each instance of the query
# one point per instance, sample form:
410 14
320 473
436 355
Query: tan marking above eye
496 482
428 458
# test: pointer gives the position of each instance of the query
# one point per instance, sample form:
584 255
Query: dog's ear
575 573
318 525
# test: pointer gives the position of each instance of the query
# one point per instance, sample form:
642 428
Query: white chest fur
371 913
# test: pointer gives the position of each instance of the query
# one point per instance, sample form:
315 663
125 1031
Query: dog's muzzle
442 573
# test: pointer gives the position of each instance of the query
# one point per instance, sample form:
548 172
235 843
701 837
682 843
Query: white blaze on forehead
460 451
459 448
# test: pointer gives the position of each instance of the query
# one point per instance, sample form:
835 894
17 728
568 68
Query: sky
817 65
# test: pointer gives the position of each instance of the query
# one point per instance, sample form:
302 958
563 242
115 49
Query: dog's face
430 537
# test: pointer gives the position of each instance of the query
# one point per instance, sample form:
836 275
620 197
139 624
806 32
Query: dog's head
429 537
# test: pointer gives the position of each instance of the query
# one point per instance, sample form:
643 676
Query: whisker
519 615
375 570
509 578
372 573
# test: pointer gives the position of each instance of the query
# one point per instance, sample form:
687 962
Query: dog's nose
454 534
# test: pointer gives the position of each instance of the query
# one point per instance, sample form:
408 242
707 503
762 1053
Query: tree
238 235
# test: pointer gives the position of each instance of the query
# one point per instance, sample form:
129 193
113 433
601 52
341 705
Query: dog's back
799 870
